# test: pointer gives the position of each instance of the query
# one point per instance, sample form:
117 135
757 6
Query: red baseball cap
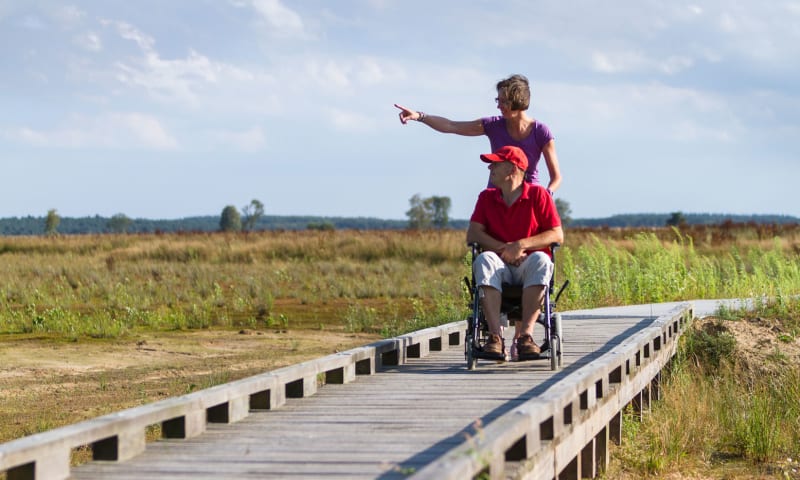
508 153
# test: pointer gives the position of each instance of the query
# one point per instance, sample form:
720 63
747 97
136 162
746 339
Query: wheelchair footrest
532 356
488 356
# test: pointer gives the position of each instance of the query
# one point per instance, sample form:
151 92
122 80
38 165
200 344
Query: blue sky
167 109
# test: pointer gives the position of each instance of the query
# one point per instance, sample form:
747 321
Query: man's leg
490 301
535 273
489 271
532 298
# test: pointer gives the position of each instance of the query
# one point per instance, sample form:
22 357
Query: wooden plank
385 425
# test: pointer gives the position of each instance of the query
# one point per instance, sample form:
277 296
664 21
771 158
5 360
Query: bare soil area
47 382
762 344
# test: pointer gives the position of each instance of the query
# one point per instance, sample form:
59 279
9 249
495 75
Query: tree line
423 213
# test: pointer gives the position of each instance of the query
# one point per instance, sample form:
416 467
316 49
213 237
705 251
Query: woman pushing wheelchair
514 222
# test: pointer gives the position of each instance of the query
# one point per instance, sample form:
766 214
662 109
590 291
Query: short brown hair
516 91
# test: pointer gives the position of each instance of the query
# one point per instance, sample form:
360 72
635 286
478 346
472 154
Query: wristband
421 116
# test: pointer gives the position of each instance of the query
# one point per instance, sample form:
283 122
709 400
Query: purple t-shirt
495 128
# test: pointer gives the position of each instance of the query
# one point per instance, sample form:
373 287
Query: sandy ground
46 383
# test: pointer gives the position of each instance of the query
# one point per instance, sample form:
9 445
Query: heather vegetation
113 287
121 223
390 281
726 411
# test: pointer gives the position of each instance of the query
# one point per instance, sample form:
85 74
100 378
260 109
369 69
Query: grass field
226 306
107 286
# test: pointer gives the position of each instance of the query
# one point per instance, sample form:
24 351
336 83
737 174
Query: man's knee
488 269
537 270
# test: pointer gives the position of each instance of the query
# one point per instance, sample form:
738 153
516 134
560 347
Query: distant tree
119 223
419 215
441 211
230 220
51 222
321 226
564 211
252 213
428 212
676 219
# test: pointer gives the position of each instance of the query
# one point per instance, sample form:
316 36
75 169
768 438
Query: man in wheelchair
514 223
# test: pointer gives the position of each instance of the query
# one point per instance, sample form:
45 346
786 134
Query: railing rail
562 433
565 432
120 436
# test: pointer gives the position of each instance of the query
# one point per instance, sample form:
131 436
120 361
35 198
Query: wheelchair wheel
557 325
472 361
556 344
469 343
555 353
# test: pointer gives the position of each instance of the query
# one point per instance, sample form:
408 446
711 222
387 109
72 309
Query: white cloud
695 9
690 131
636 62
146 130
329 73
648 83
675 64
112 130
767 34
280 20
617 62
344 76
129 32
655 111
350 121
250 140
169 79
193 80
68 15
370 71
89 41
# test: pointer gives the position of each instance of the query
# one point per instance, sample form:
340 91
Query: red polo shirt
532 213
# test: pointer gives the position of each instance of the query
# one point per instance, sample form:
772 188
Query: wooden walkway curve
412 420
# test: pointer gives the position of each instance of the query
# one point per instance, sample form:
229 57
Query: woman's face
503 103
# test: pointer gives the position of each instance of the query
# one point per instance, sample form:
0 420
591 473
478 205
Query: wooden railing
562 433
121 436
565 432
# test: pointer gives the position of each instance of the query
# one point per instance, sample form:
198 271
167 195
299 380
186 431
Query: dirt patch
46 382
762 345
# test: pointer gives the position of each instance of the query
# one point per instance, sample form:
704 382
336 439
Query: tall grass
386 281
108 285
648 270
715 410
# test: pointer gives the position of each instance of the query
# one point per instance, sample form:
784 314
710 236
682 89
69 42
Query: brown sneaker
494 345
527 348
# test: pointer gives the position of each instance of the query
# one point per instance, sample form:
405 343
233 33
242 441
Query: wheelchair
477 334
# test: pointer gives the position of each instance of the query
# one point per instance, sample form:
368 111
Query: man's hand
513 254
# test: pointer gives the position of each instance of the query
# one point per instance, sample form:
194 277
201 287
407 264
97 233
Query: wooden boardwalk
387 426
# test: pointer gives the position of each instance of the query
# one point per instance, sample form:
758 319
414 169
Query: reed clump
725 408
110 285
